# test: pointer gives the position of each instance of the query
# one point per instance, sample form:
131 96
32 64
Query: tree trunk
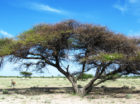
78 90
88 89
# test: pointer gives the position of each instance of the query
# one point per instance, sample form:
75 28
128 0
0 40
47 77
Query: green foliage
110 56
6 46
104 57
112 76
128 96
30 38
5 91
86 76
26 74
41 35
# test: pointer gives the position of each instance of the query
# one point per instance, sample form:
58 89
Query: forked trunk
82 91
78 90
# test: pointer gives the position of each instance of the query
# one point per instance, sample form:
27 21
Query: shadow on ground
98 92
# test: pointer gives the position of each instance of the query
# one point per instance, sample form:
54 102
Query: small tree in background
85 76
26 74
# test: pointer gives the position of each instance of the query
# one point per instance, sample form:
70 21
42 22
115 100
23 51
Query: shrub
125 87
86 76
26 74
128 96
133 87
5 91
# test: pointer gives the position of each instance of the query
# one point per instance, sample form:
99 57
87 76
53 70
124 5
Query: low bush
86 76
5 91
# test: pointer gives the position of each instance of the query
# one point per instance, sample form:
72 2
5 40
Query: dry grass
62 82
100 96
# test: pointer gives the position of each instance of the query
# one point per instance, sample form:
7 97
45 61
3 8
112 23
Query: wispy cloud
120 7
5 34
133 1
43 7
131 7
132 33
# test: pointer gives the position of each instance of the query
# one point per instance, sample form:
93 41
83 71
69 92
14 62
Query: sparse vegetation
26 74
5 91
100 95
85 76
128 96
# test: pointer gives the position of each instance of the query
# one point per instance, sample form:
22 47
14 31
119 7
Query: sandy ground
113 96
67 99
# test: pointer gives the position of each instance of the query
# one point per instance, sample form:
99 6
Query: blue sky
16 16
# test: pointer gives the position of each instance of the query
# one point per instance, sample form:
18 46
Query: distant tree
86 76
90 46
26 74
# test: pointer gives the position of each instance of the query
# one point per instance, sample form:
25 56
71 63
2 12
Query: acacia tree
92 47
26 74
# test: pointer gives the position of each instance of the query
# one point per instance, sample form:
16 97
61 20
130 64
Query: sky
17 16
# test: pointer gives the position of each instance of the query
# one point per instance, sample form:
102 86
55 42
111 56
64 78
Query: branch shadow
38 90
112 92
97 92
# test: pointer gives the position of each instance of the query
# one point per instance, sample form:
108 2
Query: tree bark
78 90
81 91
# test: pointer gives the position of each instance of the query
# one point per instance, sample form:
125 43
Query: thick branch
103 80
83 70
98 73
59 68
31 58
67 69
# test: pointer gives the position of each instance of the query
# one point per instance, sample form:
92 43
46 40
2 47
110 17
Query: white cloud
44 7
121 8
5 34
131 33
131 7
133 1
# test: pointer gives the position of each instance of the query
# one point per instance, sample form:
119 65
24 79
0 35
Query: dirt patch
59 95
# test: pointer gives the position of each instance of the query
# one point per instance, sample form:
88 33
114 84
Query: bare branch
67 69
